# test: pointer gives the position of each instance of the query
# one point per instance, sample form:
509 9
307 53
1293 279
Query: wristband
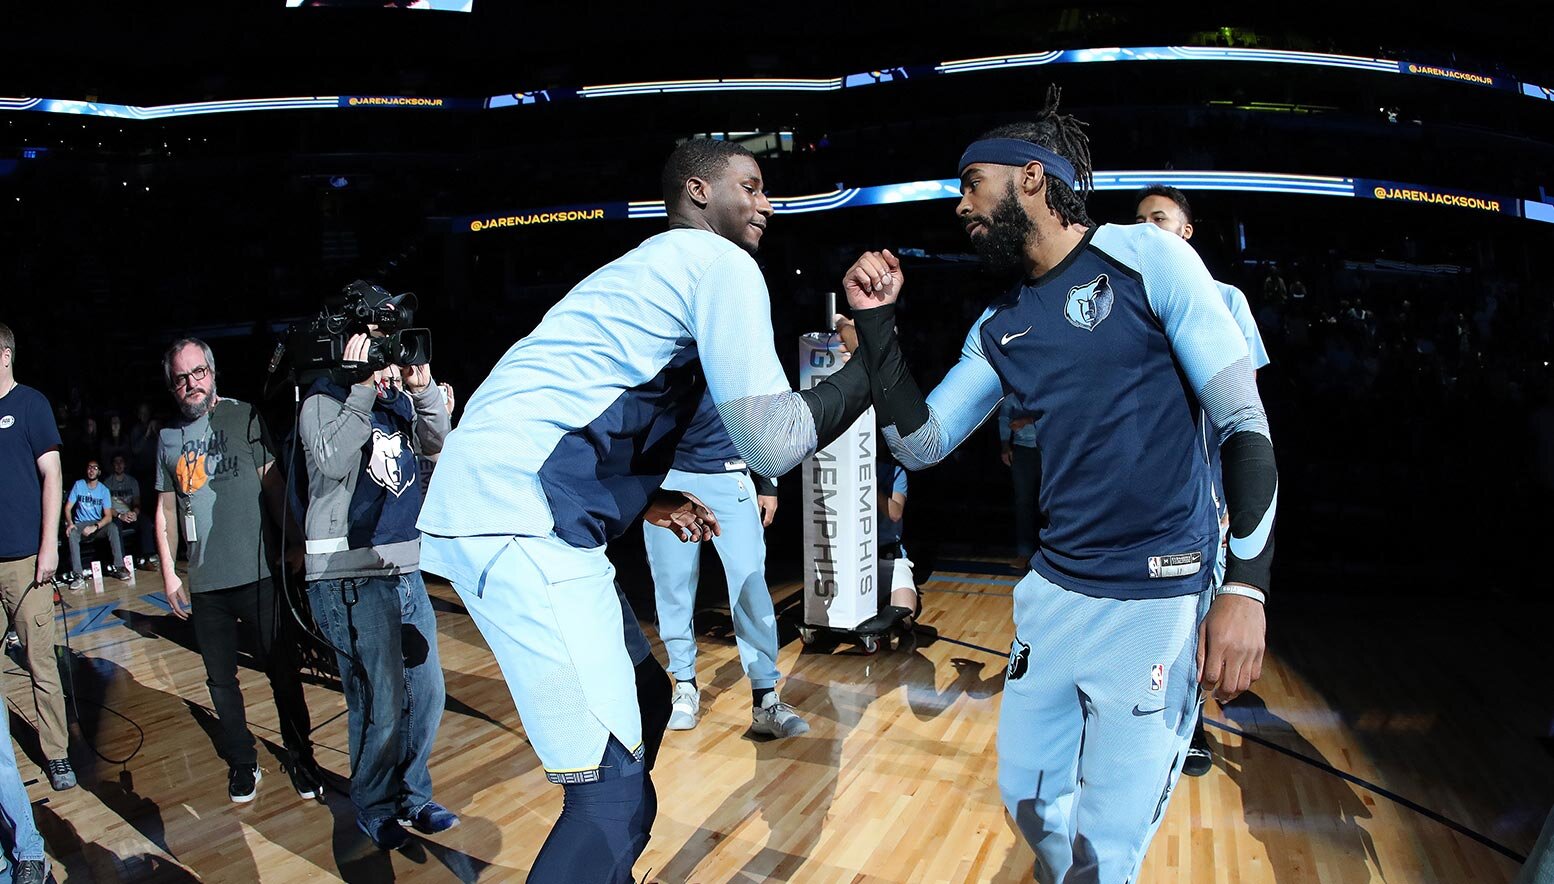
1244 591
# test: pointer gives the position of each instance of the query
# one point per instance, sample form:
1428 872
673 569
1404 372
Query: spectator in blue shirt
89 510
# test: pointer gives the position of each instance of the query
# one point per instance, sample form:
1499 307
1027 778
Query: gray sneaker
687 702
31 871
775 718
61 775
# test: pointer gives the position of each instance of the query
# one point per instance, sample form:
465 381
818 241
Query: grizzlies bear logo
391 463
1019 659
1089 304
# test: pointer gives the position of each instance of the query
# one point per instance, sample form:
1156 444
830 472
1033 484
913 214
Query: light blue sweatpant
676 570
563 635
1098 708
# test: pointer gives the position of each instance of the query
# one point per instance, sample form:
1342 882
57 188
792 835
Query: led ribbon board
791 84
949 188
164 111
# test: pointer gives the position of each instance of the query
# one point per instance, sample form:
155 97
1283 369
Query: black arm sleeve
764 487
1252 494
896 395
897 398
837 401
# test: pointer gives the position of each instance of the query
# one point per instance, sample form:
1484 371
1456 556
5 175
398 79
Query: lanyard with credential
185 475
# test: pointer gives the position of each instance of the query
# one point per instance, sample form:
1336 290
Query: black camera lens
410 346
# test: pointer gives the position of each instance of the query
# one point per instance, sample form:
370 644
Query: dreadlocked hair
1064 135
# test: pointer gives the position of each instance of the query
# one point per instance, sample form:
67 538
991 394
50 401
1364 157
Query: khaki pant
33 619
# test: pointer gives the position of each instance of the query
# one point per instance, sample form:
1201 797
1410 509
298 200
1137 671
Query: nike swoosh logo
1143 712
1004 342
1252 546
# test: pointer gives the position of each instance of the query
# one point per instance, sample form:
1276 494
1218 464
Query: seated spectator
143 442
114 443
89 441
126 512
88 511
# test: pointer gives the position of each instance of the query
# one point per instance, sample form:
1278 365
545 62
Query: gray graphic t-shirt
212 464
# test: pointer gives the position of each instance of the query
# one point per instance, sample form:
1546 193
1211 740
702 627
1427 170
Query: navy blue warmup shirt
1118 352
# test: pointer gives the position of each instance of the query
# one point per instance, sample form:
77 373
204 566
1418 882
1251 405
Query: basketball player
566 444
1167 208
709 467
1111 339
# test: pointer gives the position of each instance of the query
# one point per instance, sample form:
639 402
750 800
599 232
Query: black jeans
254 615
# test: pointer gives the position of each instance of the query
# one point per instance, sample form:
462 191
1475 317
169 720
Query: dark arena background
1377 181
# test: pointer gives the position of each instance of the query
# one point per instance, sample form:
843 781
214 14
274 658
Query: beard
196 410
1006 234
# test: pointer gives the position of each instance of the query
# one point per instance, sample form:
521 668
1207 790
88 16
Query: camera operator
362 440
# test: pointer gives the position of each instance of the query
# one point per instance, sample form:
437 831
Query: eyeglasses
199 373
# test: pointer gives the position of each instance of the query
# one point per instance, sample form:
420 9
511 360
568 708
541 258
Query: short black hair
1063 135
1170 193
700 158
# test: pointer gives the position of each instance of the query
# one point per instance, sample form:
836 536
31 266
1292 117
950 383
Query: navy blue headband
1017 152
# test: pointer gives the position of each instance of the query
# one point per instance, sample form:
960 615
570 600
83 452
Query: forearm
1252 494
334 432
764 487
432 423
273 483
165 541
897 399
837 401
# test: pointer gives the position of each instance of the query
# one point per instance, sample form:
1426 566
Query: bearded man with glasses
216 486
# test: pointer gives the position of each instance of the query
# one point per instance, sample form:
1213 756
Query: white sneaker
687 702
777 719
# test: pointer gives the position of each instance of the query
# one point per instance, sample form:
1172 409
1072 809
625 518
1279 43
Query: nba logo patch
1156 677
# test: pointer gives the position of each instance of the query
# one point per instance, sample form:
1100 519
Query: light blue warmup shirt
578 423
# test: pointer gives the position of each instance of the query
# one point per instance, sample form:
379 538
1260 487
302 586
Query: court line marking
984 580
1415 806
1394 797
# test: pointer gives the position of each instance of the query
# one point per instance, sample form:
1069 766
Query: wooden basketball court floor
1386 742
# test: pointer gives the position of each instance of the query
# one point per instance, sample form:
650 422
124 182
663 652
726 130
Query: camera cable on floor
70 674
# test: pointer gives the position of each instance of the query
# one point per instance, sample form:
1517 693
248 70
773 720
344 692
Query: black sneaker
61 775
307 779
1199 759
243 782
31 871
